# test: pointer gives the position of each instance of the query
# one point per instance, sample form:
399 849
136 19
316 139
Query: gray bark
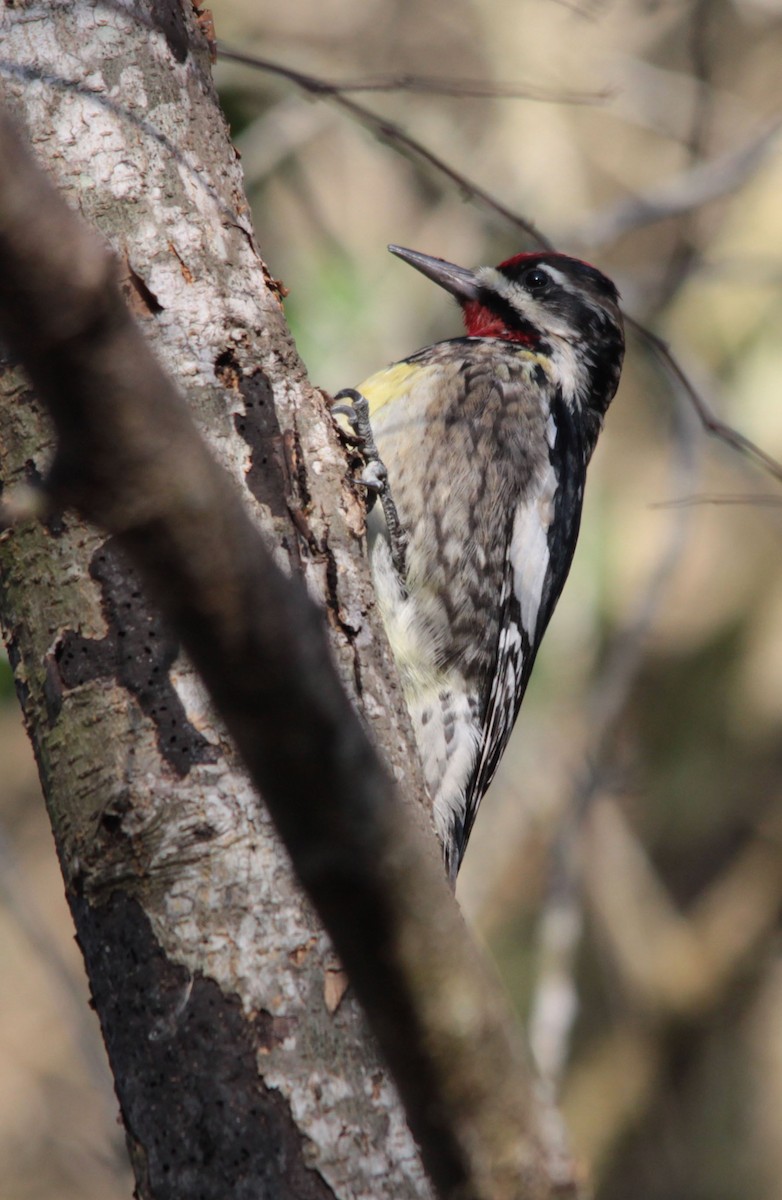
174 872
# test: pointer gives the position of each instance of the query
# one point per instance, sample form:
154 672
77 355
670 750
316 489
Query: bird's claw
357 414
374 477
347 411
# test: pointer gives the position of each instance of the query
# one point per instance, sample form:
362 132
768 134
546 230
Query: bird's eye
536 281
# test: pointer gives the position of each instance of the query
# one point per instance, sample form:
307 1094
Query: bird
479 447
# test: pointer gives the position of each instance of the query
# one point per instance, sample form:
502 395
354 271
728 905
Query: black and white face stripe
568 272
570 311
564 309
554 305
512 317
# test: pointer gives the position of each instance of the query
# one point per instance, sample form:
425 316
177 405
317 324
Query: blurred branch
728 498
688 191
670 967
710 421
129 458
685 252
277 133
456 88
588 9
623 1067
393 134
675 966
701 56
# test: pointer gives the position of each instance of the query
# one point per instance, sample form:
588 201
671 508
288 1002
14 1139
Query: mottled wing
541 539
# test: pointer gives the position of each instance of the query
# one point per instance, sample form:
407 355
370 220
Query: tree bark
177 881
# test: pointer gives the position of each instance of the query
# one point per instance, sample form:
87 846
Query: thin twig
459 89
433 85
727 499
388 131
708 418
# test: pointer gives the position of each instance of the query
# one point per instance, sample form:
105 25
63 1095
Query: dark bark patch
258 426
169 18
141 299
203 832
200 1122
138 651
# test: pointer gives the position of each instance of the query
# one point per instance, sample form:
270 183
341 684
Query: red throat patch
480 321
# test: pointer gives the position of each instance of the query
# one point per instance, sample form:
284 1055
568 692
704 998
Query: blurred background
626 868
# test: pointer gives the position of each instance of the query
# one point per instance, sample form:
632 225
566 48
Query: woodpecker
484 440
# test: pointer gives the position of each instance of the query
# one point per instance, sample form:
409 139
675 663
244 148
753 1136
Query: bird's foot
374 477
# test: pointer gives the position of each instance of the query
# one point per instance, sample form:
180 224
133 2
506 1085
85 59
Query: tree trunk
206 963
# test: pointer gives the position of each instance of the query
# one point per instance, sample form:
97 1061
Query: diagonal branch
431 85
708 418
389 131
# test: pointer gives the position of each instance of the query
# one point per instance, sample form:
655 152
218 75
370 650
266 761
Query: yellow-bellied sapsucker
485 440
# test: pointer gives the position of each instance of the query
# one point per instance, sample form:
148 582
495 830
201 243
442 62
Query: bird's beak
460 282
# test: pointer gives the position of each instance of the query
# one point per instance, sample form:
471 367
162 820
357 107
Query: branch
388 131
708 418
430 85
678 965
129 458
698 185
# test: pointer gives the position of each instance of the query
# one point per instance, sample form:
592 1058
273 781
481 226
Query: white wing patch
529 550
527 569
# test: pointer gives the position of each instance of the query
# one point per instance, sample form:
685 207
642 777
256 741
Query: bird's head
554 305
